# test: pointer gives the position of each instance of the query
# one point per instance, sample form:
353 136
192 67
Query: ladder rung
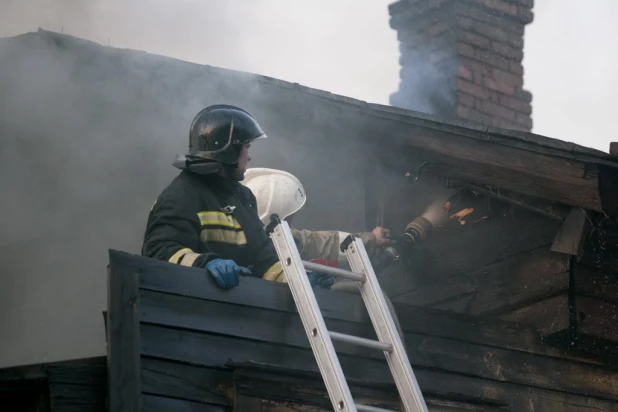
346 274
368 343
367 408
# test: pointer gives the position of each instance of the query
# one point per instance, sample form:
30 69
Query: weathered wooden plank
480 395
123 337
482 162
502 286
455 250
597 318
252 404
153 403
283 328
572 234
183 381
592 316
596 284
548 316
165 277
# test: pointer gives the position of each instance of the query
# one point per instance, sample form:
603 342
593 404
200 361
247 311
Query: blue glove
226 272
319 280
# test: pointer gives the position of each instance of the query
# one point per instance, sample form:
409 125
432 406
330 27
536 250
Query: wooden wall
176 342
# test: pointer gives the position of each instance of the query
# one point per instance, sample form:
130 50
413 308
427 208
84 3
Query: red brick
507 78
507 51
482 14
515 104
475 116
522 14
438 28
466 100
525 95
473 89
500 6
491 32
525 121
517 68
498 86
474 39
489 107
463 72
485 57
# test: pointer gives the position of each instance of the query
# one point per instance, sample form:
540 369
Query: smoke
88 134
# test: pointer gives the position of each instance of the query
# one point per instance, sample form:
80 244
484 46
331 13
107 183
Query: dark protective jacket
198 218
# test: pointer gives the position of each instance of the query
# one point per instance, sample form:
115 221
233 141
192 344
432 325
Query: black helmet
218 133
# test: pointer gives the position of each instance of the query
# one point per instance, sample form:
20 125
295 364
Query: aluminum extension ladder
320 338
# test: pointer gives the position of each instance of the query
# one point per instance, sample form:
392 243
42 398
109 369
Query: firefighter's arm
173 234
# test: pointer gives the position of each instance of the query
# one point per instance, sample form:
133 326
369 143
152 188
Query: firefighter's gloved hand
226 272
320 281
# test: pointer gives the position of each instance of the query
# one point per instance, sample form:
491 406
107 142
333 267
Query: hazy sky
347 47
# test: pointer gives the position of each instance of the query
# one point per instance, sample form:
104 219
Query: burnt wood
162 277
480 395
192 336
597 284
123 342
593 317
500 287
460 249
476 161
155 403
286 331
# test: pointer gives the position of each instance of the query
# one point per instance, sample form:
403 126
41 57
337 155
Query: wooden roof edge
522 140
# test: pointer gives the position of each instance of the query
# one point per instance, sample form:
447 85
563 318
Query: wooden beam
123 342
572 234
500 287
566 181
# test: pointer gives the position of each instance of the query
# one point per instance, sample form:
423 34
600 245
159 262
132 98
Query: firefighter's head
223 134
276 191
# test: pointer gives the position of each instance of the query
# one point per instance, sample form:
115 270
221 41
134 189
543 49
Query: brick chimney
462 58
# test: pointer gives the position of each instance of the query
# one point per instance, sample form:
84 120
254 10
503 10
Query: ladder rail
312 319
384 325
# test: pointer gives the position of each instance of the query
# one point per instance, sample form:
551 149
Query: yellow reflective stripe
189 258
275 273
153 205
232 237
176 256
218 219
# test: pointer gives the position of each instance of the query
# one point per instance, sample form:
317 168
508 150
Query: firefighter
282 193
205 218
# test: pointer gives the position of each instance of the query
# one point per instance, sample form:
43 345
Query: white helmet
276 191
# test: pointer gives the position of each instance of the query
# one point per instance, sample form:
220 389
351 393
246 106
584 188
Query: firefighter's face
243 161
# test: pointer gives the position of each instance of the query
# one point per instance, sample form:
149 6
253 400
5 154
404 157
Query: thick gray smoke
87 137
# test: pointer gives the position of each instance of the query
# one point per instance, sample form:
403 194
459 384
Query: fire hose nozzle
417 231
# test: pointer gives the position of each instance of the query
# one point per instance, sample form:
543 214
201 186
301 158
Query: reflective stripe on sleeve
179 254
275 273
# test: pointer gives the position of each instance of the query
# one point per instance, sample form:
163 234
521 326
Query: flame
461 214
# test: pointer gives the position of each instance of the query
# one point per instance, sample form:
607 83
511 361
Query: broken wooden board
572 234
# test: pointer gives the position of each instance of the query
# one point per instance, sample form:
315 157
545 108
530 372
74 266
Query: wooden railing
177 342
